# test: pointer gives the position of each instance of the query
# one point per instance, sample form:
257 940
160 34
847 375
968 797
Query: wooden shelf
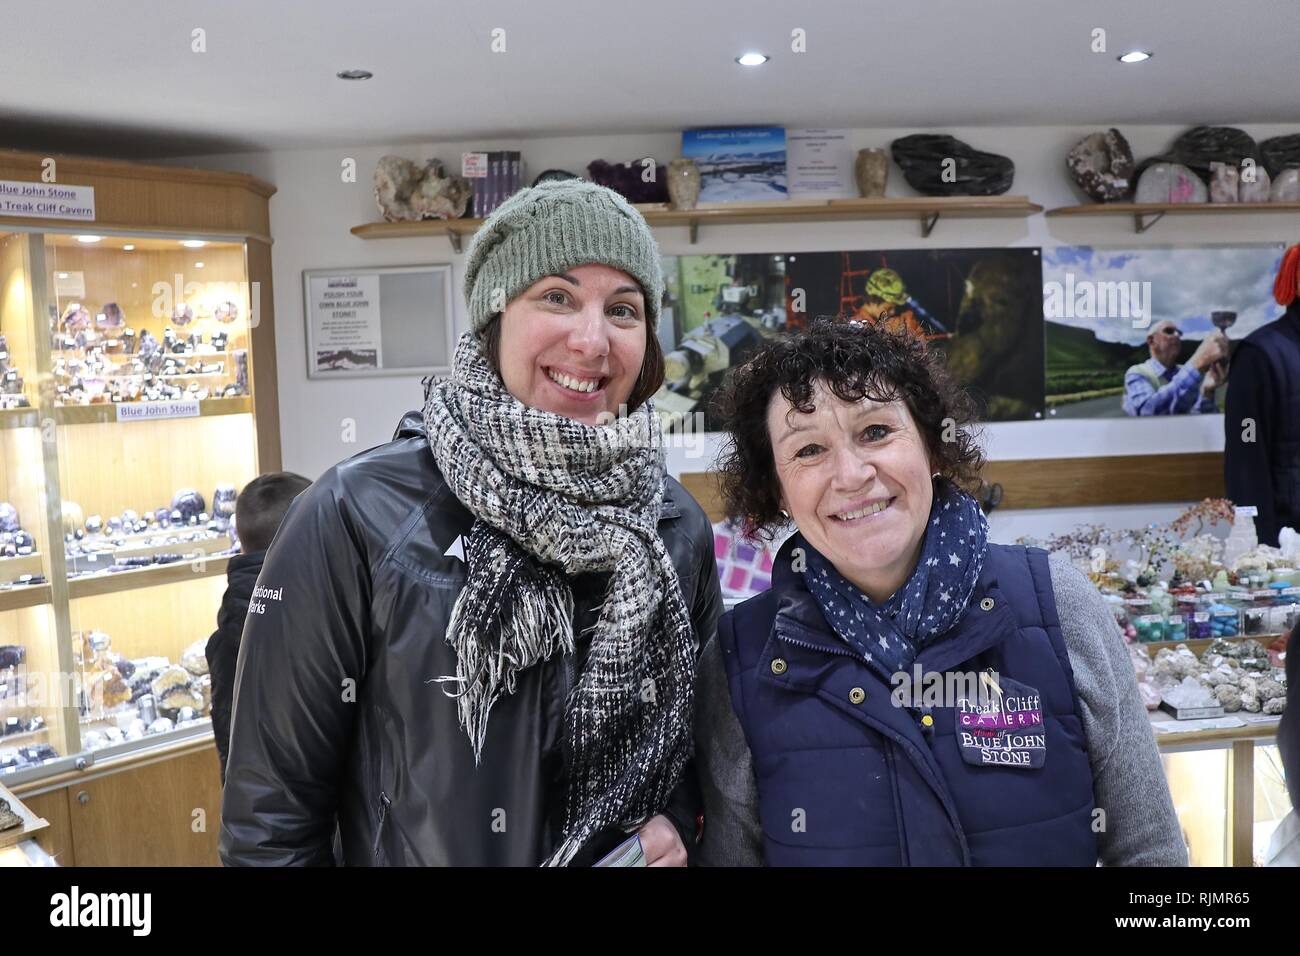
927 210
24 595
25 738
1147 214
1197 645
110 582
11 568
1263 730
19 418
106 411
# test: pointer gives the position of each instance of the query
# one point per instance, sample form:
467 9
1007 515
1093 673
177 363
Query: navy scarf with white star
890 635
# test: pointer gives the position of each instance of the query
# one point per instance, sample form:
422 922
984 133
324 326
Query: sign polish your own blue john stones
47 200
1004 729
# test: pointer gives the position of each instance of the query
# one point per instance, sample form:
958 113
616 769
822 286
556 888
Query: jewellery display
100 545
11 380
123 700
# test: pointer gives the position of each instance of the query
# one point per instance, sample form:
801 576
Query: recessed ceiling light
129 247
193 243
89 238
354 74
1135 56
751 59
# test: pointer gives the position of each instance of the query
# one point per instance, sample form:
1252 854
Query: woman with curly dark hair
907 693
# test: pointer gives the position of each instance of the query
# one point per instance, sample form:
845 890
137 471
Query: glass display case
128 428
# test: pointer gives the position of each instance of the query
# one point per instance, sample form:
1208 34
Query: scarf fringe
539 625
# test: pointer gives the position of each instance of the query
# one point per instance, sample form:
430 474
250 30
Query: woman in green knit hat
478 641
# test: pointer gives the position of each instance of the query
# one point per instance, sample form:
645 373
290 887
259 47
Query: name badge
1003 726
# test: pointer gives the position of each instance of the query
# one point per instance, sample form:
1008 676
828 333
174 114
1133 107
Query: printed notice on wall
47 200
344 315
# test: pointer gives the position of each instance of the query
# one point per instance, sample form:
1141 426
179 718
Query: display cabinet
137 397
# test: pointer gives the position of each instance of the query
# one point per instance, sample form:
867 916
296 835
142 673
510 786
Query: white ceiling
117 77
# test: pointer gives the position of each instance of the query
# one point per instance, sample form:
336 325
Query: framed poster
980 307
1121 324
391 320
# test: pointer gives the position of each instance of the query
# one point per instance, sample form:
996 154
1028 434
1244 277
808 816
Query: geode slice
1102 165
1280 153
924 159
1286 186
1170 183
1199 147
405 191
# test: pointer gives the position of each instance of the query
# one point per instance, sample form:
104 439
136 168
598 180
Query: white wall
313 210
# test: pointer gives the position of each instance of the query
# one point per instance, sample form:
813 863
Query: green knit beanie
551 228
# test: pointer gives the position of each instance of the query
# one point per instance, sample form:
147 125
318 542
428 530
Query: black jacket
1265 387
222 650
335 710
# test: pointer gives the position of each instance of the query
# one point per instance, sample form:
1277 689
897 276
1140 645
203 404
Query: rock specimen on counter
1102 165
940 165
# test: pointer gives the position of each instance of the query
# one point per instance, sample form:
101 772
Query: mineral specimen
1280 153
405 191
940 165
1170 183
1189 693
1102 165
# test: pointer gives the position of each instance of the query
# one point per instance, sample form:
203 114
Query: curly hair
855 361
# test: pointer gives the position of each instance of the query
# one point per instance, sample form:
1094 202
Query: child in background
259 509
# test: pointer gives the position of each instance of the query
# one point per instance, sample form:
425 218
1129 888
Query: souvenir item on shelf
1255 185
223 500
183 314
161 725
1223 182
172 677
1170 183
1202 146
75 319
241 371
629 181
1286 186
683 183
226 312
4 353
194 658
1280 153
405 191
110 317
8 819
1102 165
11 655
967 172
871 172
186 503
147 708
9 517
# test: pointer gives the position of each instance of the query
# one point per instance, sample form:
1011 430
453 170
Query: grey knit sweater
1141 828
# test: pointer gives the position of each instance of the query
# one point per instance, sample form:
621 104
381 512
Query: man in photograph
1160 386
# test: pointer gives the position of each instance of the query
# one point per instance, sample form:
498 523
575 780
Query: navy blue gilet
846 778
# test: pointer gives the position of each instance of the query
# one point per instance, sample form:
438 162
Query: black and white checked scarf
554 497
